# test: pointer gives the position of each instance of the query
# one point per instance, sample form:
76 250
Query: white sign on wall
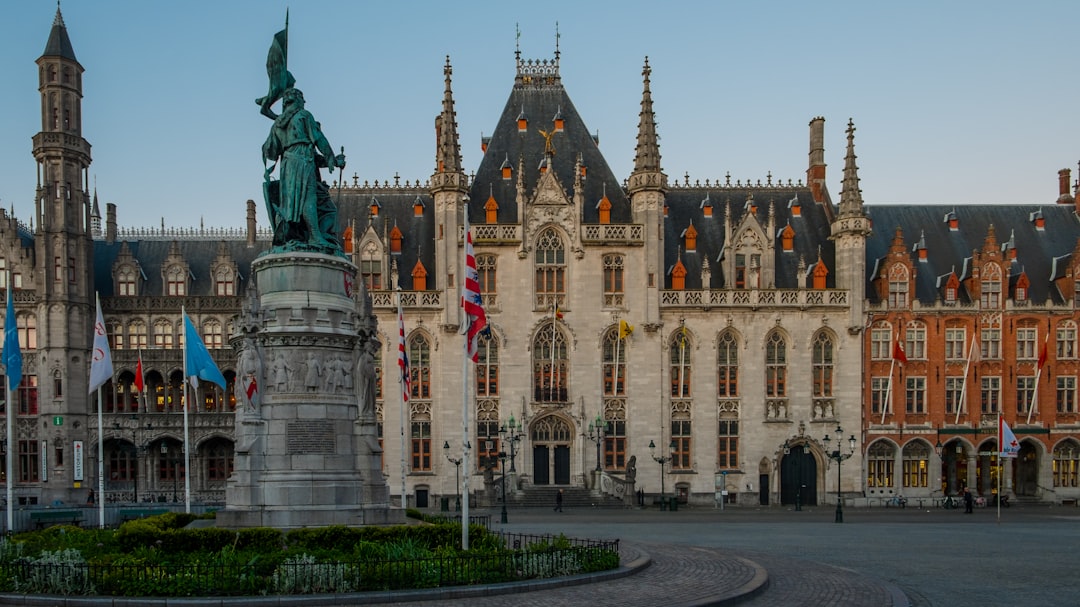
44 458
77 460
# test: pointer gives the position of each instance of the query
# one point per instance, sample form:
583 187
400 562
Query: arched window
175 281
486 271
679 358
551 365
224 281
212 333
614 365
916 464
613 280
550 259
879 465
823 365
990 286
125 282
775 366
163 334
898 286
727 366
1066 340
420 366
1066 464
137 334
487 366
219 460
27 326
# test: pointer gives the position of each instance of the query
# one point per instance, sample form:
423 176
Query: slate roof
395 208
1037 251
59 45
152 253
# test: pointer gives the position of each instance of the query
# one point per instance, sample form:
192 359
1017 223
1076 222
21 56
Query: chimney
110 223
1064 179
250 223
815 172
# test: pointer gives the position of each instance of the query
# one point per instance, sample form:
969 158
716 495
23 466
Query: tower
647 186
448 188
849 231
64 249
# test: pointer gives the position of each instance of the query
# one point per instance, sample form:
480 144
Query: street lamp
502 462
597 430
837 456
663 459
457 474
512 436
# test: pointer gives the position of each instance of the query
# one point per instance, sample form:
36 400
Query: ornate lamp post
513 435
457 474
663 459
598 429
502 462
838 457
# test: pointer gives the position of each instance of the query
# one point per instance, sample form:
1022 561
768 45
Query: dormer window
952 220
1038 220
347 239
898 287
706 207
990 287
678 276
491 209
787 238
375 206
419 277
558 120
522 122
1020 291
795 207
604 206
583 171
484 143
690 238
395 240
418 207
820 274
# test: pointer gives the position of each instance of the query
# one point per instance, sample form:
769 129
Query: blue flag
197 359
12 355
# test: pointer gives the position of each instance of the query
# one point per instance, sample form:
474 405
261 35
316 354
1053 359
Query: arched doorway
551 439
1026 470
954 468
798 476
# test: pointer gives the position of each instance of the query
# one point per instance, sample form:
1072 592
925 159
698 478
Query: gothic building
721 327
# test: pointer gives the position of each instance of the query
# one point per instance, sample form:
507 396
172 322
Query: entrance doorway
551 439
1026 470
798 477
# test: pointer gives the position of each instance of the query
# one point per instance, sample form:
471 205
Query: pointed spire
449 151
59 45
647 152
851 202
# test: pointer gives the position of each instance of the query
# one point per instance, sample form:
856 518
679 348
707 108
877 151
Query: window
990 293
879 465
615 444
175 282
728 445
1066 340
1025 343
224 282
681 437
916 395
163 334
28 395
1066 394
680 354
27 327
727 384
1066 464
171 466
487 452
613 280
954 343
550 259
823 366
71 270
954 394
487 367
614 365
881 343
990 344
29 462
775 366
1025 393
898 287
136 334
916 465
551 366
420 367
121 464
991 394
421 446
485 268
125 282
879 394
915 348
212 334
58 269
219 463
371 274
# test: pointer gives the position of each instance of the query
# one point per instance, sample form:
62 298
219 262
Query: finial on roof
59 20
556 41
517 41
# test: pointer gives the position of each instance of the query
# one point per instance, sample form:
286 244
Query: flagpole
404 398
100 464
10 437
682 361
551 378
618 343
1034 395
465 383
184 405
1001 468
888 392
10 359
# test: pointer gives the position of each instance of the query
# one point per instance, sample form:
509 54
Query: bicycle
898 500
950 503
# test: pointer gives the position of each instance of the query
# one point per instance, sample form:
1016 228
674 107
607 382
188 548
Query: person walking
969 501
558 501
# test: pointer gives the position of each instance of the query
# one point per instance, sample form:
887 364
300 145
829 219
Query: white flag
1010 447
101 368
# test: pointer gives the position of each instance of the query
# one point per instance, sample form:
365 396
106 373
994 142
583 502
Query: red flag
471 301
1042 353
898 352
139 375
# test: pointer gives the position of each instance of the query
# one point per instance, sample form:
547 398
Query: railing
754 298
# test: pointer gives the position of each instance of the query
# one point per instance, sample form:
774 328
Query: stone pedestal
306 454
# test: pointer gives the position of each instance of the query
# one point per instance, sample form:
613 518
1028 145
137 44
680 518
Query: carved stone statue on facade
631 468
367 378
248 376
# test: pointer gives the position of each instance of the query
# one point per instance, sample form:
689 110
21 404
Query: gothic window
990 286
1067 464
1066 340
371 274
1026 337
136 334
915 336
1066 394
420 366
121 463
916 395
916 464
224 281
727 366
898 287
682 438
175 281
485 268
954 390
881 342
954 343
613 280
27 327
29 462
487 367
420 438
71 270
823 365
212 334
163 334
125 282
614 365
991 394
1025 393
990 344
879 465
775 366
615 437
879 394
27 395
550 260
551 365
115 332
728 444
219 462
680 363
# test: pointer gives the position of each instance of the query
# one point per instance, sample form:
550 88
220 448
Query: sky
954 102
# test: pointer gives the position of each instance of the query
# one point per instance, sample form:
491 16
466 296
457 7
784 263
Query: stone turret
849 231
647 187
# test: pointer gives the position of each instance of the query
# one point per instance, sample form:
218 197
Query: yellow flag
625 329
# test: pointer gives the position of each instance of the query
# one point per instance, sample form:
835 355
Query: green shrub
61 572
303 575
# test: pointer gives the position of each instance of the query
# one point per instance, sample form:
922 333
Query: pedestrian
558 501
969 501
90 498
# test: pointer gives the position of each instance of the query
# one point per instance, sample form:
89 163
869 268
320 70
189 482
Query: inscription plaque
311 437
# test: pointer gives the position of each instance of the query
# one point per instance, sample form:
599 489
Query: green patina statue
301 212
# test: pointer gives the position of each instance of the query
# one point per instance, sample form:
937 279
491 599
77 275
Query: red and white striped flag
403 356
471 302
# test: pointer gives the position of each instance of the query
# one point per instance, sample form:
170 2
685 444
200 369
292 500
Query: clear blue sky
954 102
